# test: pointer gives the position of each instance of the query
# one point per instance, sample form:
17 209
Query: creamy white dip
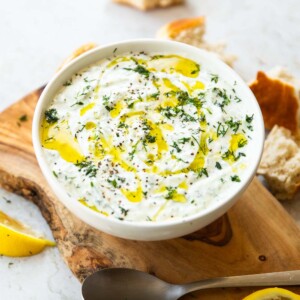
147 137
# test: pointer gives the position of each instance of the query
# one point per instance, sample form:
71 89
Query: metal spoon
128 284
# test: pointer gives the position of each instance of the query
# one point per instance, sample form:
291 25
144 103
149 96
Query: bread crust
278 101
149 4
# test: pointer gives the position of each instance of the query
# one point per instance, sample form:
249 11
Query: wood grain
256 235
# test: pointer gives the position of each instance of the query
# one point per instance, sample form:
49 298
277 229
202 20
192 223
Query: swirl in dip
147 137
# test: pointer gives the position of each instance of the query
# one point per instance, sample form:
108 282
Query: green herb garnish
150 138
235 178
122 125
51 115
221 130
197 69
155 95
230 154
242 143
140 69
175 145
234 125
113 182
124 211
77 103
237 99
106 103
202 171
184 99
223 100
88 167
134 148
249 119
184 140
171 192
214 78
218 166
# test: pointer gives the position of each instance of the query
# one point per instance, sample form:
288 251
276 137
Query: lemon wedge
17 240
273 294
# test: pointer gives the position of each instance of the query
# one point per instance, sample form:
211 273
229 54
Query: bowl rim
61 193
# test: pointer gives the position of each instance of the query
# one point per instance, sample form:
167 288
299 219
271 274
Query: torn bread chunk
191 31
149 4
280 164
278 95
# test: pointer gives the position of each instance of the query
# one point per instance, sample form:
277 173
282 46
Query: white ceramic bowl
148 231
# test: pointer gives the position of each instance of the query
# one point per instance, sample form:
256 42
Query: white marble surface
36 35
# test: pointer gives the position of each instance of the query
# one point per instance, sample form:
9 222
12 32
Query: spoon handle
266 279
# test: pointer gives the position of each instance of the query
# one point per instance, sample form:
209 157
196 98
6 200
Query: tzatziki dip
147 137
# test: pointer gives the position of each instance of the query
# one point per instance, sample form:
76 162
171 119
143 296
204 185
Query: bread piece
149 4
280 163
84 48
191 31
277 93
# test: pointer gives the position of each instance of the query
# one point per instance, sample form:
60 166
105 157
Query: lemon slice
273 294
17 240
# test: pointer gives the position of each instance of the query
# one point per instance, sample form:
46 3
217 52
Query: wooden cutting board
257 235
